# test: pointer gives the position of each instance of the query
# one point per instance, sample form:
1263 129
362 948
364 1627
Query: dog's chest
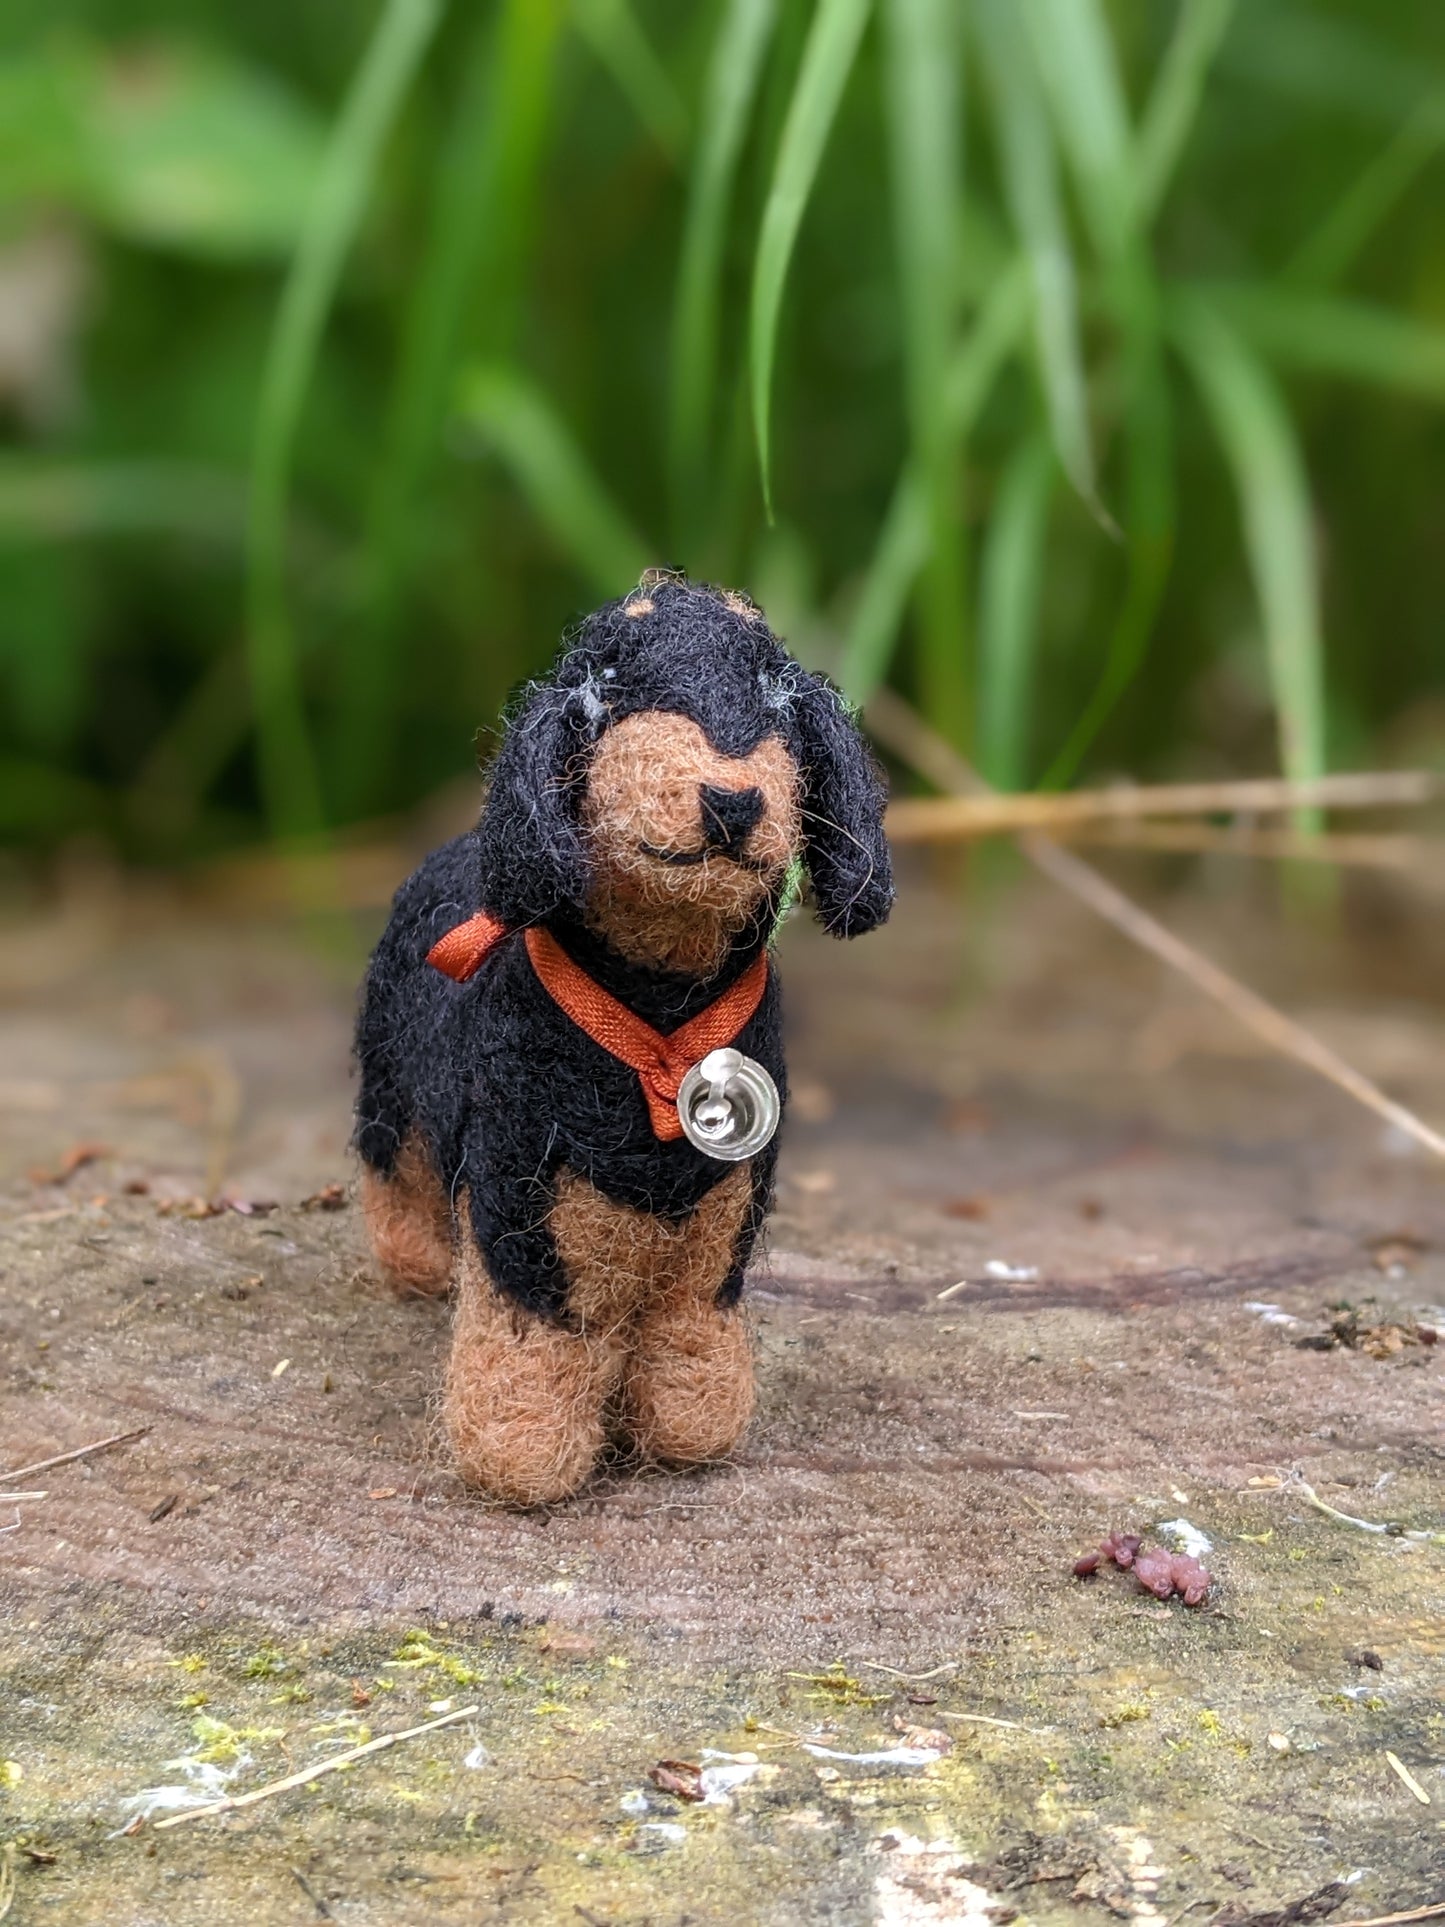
618 1260
541 1080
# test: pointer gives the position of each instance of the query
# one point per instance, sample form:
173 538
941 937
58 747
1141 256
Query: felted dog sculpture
544 986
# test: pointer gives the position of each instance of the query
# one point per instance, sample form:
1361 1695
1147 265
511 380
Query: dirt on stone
954 1403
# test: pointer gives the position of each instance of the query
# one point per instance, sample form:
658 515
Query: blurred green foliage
1088 356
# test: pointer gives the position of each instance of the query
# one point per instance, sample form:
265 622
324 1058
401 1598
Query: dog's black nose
728 816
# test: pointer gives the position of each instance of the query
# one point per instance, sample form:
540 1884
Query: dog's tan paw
409 1222
688 1388
524 1400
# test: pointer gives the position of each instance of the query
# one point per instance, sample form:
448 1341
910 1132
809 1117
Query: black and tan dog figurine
571 1064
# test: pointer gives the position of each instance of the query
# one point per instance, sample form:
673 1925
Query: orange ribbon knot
661 1062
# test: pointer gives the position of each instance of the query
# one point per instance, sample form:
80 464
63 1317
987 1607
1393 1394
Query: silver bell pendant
728 1105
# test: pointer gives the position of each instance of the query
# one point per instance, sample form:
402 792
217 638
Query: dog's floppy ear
843 798
532 856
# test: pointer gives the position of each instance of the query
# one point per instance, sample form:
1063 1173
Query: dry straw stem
315 1772
1432 1912
900 729
945 819
877 1666
1397 1765
68 1458
1307 1492
986 1719
1403 854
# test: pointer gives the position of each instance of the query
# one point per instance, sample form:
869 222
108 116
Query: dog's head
666 776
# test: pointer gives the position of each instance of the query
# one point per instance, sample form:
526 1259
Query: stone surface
1133 1202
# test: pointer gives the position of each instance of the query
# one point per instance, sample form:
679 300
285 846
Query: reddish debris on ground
681 1778
331 1197
1348 1331
1154 1569
1160 1572
75 1159
1191 1581
1121 1547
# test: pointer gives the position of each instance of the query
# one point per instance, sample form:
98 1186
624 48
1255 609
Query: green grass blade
998 329
617 37
1355 215
1173 104
743 38
519 423
482 218
1010 575
1329 334
899 553
1149 439
1259 445
921 107
51 500
290 781
828 56
1076 58
214 157
1305 52
1028 165
903 543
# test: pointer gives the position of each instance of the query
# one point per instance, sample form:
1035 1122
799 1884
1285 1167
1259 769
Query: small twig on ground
18 1498
1432 1912
785 1738
1252 1010
877 1666
80 1452
308 1773
926 819
1396 852
7 1878
985 1719
1399 1766
1391 1531
903 731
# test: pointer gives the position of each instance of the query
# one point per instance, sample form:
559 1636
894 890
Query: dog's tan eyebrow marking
739 605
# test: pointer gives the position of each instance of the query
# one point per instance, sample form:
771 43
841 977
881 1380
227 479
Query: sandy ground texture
1050 1234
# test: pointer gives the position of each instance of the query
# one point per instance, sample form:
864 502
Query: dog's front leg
688 1387
525 1385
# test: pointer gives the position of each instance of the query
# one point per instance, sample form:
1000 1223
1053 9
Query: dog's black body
502 1087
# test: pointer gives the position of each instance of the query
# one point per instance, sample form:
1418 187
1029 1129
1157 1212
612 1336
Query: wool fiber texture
409 1221
646 807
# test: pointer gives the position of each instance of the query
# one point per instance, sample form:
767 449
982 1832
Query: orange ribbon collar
661 1062
461 953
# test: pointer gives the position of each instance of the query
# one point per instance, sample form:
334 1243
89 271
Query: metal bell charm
728 1105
